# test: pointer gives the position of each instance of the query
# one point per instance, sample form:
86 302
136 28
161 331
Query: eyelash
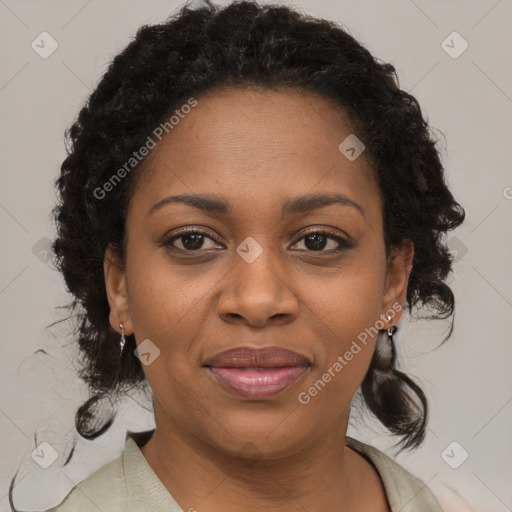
343 244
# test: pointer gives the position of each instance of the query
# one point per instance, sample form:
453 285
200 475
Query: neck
324 475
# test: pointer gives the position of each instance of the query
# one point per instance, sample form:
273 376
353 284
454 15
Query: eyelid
185 231
323 231
344 243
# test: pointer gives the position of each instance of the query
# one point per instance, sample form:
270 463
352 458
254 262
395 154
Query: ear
397 279
117 292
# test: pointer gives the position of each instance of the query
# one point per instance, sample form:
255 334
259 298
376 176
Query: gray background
469 98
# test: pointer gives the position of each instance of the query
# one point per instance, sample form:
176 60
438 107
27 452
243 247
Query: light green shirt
129 484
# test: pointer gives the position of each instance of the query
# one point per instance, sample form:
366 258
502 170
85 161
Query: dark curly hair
245 44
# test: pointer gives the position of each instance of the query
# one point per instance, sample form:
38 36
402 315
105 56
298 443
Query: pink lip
257 382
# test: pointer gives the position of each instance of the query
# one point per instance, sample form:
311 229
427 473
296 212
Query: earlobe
117 292
397 278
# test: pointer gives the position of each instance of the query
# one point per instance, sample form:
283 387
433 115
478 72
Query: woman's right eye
189 241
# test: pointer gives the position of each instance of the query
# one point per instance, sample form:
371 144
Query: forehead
259 146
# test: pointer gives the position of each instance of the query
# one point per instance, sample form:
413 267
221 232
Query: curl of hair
241 45
394 397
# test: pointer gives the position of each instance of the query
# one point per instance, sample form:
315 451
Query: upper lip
266 357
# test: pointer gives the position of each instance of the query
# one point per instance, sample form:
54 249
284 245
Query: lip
258 383
265 357
257 373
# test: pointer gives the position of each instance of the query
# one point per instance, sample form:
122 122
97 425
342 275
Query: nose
257 294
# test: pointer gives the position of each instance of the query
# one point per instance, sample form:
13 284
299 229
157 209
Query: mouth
257 373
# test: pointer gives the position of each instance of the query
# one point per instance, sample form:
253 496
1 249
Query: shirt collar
145 489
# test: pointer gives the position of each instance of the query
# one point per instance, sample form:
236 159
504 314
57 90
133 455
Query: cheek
164 299
344 311
347 301
169 305
342 360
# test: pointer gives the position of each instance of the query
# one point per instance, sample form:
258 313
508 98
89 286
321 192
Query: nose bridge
260 276
257 288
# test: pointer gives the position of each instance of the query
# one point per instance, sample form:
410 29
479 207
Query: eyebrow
310 202
207 204
295 206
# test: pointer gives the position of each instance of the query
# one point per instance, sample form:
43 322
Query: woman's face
253 275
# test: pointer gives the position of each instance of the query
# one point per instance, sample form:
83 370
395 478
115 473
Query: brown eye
190 241
318 241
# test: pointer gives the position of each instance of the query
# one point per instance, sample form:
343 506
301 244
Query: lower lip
258 382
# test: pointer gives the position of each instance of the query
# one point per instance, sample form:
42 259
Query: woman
249 203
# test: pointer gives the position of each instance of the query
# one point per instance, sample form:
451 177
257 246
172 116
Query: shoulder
405 492
126 484
105 489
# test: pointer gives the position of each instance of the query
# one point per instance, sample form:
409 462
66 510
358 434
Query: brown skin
256 149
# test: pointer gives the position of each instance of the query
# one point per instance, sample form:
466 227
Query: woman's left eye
317 241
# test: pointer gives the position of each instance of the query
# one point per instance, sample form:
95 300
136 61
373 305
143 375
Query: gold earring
123 339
